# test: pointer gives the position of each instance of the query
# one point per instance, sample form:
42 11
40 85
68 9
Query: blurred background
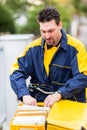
18 27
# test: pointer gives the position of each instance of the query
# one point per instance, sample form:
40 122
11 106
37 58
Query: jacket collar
63 44
43 42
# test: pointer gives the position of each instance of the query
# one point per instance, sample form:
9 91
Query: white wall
13 45
2 88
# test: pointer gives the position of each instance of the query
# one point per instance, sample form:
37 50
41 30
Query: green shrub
32 26
6 20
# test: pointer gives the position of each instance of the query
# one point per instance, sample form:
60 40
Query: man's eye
43 31
51 30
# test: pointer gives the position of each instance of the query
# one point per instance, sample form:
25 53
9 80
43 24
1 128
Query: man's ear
60 25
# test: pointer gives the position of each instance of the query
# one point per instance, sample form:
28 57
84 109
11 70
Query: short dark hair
47 14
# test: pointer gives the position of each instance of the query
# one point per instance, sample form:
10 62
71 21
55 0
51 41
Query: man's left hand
51 99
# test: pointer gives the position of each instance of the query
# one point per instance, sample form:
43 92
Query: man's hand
51 99
28 100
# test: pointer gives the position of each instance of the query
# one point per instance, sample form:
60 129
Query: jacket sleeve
20 71
79 71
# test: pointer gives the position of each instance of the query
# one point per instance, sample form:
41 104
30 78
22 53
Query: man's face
51 32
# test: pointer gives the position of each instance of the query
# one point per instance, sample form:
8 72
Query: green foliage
6 20
65 10
66 15
80 7
18 6
32 26
14 5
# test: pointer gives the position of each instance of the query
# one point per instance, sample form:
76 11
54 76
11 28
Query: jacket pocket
61 73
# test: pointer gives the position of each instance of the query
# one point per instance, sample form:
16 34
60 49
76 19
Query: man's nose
47 35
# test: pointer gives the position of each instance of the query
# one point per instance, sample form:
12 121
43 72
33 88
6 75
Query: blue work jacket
67 70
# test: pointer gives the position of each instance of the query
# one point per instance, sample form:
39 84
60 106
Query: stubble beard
52 43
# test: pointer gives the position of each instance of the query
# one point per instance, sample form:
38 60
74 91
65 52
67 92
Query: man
56 63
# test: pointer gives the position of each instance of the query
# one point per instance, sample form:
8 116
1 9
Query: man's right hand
28 100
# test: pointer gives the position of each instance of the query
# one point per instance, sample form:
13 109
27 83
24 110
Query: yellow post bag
67 115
